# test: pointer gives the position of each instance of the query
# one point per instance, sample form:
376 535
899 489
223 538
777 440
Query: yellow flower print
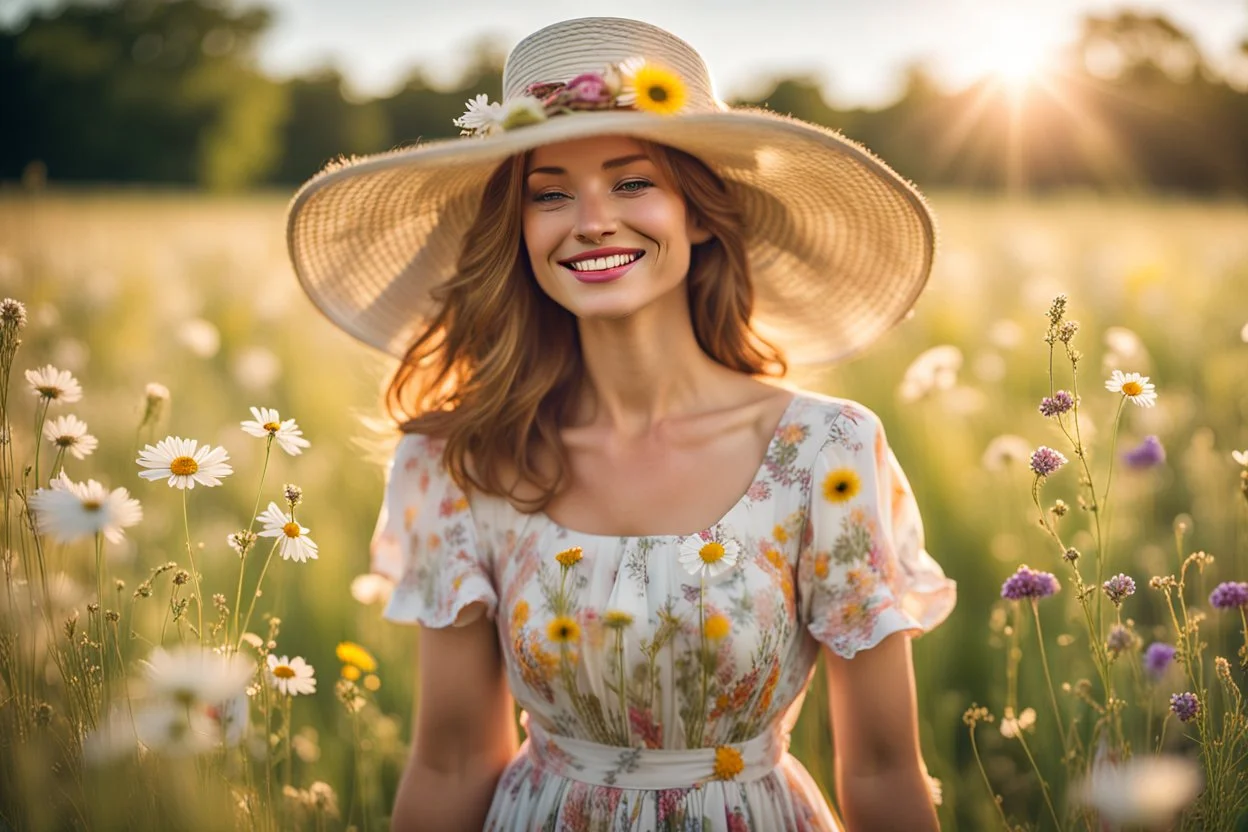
616 619
775 558
717 627
841 485
658 90
563 630
780 533
728 763
460 504
569 557
520 614
792 433
821 565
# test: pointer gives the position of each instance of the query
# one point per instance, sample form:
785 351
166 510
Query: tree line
169 91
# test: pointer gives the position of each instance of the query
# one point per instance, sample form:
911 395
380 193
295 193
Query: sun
1015 57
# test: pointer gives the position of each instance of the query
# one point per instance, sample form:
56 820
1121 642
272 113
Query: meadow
194 293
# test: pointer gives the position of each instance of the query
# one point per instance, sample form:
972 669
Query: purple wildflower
1045 461
1118 588
589 88
1157 658
1147 454
1229 595
1120 639
1185 706
1057 404
1029 583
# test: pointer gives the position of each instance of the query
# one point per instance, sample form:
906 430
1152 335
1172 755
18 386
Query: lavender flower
1057 404
1029 583
1229 595
1120 639
1185 706
1045 461
1148 454
1118 588
1157 658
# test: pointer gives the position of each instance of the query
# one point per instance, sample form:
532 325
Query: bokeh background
1090 148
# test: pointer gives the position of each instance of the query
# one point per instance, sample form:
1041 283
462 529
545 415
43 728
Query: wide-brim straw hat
839 245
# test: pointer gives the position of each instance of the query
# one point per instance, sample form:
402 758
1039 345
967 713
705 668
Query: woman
600 508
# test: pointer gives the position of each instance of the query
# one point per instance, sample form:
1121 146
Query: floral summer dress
656 698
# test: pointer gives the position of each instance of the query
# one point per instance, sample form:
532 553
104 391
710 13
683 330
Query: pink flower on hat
589 88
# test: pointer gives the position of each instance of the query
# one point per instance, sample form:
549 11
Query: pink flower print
736 821
759 490
589 88
643 724
670 801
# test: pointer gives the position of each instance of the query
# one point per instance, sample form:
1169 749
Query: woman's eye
548 196
632 186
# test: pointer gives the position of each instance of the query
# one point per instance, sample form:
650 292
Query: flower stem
1044 787
252 605
190 553
242 559
988 783
1044 662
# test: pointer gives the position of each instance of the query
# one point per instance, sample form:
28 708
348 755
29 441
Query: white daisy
295 544
197 674
481 116
521 111
184 462
1005 450
70 433
232 718
291 676
627 95
70 510
701 556
1240 457
371 588
54 385
1148 790
287 434
1134 386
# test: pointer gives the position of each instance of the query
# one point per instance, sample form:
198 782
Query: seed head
1118 588
294 494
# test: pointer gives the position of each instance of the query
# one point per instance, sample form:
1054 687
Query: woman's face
606 233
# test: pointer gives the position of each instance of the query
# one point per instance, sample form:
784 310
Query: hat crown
564 50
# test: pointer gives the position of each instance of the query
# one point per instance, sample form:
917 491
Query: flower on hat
655 89
481 118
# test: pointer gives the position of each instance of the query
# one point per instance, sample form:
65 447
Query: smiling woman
601 507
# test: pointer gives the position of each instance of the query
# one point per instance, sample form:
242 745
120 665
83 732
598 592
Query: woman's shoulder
829 417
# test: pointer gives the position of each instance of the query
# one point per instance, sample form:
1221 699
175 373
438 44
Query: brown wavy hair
499 368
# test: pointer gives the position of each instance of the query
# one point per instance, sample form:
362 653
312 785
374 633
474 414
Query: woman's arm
464 732
880 777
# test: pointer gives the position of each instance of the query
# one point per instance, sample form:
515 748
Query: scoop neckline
785 417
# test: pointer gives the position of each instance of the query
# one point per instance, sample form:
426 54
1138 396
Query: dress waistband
653 768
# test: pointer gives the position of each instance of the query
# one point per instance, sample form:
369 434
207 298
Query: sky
857 50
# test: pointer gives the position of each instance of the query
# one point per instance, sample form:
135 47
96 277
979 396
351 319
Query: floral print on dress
619 649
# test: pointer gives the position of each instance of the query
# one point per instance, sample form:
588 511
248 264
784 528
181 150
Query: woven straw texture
839 245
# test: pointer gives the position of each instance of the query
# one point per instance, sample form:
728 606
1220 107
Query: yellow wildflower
728 763
563 630
569 557
349 652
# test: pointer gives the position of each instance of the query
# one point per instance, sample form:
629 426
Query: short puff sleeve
863 572
426 541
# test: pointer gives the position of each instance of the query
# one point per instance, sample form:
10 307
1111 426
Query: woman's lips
605 275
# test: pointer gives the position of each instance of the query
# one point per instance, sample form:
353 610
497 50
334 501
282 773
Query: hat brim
839 245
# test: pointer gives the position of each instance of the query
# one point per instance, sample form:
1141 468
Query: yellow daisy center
717 627
90 505
272 427
284 671
563 630
66 441
841 485
659 90
728 763
183 466
49 392
1132 388
711 552
291 530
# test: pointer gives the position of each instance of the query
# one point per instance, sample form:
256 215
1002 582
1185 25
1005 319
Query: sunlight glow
1015 56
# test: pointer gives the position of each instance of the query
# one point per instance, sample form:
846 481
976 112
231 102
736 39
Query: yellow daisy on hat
839 246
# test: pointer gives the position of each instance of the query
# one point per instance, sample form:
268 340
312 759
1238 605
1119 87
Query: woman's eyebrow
607 165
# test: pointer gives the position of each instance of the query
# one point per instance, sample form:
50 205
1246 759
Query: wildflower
1186 706
241 541
54 385
232 718
1046 461
708 557
1240 457
371 588
349 695
1067 330
70 433
656 89
184 463
520 111
1157 658
372 682
1118 588
569 557
199 336
1005 450
268 423
1071 554
69 510
481 117
933 369
1029 583
291 676
154 399
563 630
1146 791
353 655
975 715
841 485
293 494
197 674
1013 726
728 763
1229 595
1057 404
717 627
1148 454
12 314
1120 639
1134 386
295 544
1222 668
617 619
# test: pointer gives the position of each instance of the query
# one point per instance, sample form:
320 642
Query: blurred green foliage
168 91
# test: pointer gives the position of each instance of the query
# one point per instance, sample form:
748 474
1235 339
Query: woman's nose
594 218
